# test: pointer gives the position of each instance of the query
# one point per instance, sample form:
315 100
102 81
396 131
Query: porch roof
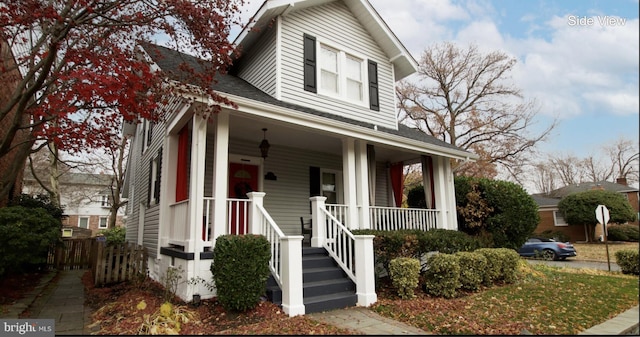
169 62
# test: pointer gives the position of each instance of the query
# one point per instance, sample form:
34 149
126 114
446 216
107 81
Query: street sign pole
602 215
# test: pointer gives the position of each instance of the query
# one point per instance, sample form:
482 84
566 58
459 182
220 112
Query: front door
243 178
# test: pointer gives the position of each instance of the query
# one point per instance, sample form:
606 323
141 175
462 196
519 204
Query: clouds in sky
576 70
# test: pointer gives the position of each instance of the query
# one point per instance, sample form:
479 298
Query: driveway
570 263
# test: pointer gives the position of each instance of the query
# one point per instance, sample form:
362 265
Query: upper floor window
342 74
104 201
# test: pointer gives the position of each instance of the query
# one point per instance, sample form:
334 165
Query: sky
578 59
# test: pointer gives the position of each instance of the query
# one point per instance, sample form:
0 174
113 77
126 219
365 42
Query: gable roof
586 186
544 201
404 64
169 61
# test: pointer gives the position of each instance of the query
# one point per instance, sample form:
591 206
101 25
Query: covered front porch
217 182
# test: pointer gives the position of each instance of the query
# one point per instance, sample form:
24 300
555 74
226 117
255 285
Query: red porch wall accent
182 187
397 181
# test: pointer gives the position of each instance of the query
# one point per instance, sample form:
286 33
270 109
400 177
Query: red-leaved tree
71 71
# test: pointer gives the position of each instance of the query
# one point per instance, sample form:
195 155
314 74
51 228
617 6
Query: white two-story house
316 83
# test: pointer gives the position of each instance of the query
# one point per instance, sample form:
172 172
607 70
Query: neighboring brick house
552 220
85 199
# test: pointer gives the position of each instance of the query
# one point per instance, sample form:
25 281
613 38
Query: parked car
546 249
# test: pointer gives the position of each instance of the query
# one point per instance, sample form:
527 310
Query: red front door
243 178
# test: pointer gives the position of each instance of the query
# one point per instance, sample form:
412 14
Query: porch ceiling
299 136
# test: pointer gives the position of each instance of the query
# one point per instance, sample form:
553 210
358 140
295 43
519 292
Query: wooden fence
118 263
71 254
109 264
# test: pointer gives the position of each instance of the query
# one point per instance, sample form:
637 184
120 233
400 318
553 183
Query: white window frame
106 222
342 55
558 219
80 218
338 184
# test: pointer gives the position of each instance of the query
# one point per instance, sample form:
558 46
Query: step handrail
273 233
340 244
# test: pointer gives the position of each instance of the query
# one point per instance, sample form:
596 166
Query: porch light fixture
264 145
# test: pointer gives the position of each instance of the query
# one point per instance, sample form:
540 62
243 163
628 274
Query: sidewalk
59 296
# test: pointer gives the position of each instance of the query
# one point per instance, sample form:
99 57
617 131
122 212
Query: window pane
354 68
354 90
329 81
329 60
84 223
103 222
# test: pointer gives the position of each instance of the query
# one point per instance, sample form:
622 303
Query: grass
598 251
546 300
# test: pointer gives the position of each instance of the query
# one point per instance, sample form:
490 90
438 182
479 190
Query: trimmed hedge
629 261
240 270
624 232
472 268
389 245
442 277
405 274
502 265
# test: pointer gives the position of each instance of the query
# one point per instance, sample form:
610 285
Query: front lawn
547 300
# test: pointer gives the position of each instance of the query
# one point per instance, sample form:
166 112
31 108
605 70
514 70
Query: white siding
259 65
138 194
334 22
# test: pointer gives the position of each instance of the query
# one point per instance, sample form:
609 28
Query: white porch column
349 178
444 193
291 278
362 186
318 220
365 266
257 199
196 190
220 174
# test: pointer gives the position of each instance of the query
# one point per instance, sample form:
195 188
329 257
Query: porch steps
325 285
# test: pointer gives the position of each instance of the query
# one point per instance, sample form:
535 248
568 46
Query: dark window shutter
158 175
149 133
310 63
149 184
374 103
314 181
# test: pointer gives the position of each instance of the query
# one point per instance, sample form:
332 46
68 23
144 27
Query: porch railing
180 217
237 216
340 212
340 244
392 218
267 227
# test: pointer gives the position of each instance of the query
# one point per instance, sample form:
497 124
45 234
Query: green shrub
405 274
26 234
442 277
624 232
389 245
502 265
629 261
447 241
416 197
39 201
472 268
513 213
240 270
115 235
